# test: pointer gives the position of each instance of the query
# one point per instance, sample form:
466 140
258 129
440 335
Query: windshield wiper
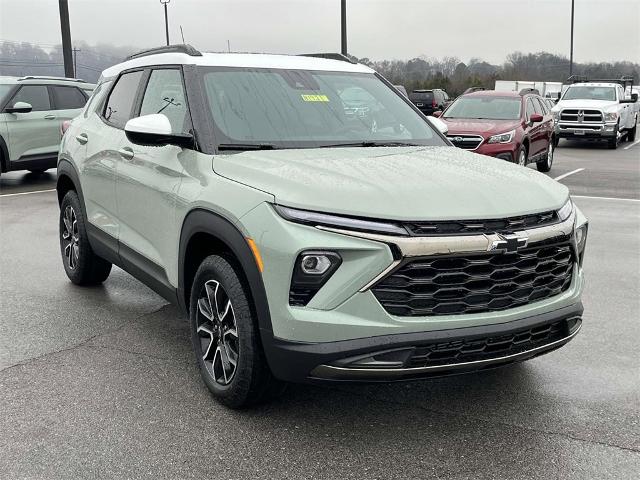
246 146
371 144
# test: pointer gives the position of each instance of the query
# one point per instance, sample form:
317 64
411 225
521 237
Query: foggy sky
605 30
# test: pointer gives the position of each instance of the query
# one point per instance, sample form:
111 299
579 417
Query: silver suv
307 241
32 110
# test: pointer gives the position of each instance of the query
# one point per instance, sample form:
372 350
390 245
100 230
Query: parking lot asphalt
101 382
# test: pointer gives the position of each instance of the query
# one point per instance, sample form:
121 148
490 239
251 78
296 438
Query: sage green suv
306 239
32 110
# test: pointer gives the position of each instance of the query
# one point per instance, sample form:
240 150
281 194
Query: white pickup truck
596 110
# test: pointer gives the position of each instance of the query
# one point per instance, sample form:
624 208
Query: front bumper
392 357
503 151
585 130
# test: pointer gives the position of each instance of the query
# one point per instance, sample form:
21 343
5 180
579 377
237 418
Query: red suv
508 125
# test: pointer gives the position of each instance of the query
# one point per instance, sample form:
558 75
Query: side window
67 98
539 106
165 94
94 98
36 95
530 109
119 106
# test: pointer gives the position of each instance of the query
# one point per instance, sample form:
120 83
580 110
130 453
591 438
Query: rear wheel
544 165
82 265
225 337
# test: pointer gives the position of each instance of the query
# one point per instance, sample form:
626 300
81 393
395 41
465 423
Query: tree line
448 73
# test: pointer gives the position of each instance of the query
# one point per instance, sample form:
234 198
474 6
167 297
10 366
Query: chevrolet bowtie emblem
508 243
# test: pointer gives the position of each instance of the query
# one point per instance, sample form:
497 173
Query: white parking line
629 146
607 198
565 175
27 193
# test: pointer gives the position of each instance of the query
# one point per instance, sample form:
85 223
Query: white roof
251 60
594 84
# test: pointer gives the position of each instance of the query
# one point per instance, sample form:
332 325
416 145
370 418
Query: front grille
476 283
487 348
474 227
576 115
467 142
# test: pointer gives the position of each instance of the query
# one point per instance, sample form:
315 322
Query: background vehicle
276 238
597 110
545 89
31 112
429 101
514 127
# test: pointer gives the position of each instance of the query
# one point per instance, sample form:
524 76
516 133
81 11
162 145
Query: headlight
565 211
316 218
506 137
556 116
580 236
611 116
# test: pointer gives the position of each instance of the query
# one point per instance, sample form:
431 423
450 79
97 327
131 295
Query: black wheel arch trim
205 221
4 155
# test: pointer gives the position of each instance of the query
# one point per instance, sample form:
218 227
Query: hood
479 127
583 103
399 183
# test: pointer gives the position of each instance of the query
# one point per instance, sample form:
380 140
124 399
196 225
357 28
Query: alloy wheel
522 158
550 151
218 332
70 237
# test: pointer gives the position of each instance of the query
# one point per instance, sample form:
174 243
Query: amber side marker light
256 253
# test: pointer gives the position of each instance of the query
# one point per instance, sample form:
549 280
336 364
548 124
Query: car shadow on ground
13 182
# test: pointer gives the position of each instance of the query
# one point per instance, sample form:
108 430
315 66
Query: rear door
148 178
67 101
35 134
535 130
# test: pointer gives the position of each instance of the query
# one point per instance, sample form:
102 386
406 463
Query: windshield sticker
315 98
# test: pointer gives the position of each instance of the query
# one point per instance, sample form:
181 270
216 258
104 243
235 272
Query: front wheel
225 337
81 264
544 165
631 135
521 159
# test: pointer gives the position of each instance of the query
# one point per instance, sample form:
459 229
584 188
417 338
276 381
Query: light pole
66 38
343 25
166 18
571 51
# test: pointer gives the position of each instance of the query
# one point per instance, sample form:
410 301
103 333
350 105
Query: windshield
490 108
277 108
584 92
4 89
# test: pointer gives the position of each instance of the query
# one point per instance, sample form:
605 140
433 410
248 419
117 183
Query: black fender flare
67 169
4 155
208 222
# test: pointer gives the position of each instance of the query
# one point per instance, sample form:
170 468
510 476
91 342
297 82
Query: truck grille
582 116
475 283
474 227
467 142
485 348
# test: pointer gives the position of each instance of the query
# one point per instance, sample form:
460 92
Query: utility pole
75 60
571 52
66 38
166 18
343 25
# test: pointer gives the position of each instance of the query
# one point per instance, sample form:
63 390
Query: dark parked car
517 127
429 101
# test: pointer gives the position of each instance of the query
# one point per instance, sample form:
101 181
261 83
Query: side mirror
437 113
439 124
536 118
155 131
19 107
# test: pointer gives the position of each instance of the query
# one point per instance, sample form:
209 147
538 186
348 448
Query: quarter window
165 94
35 95
68 98
119 107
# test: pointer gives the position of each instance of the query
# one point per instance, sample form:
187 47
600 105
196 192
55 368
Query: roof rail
46 77
525 91
624 80
330 56
178 48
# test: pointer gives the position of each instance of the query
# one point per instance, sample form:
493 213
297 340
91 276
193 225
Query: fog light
315 264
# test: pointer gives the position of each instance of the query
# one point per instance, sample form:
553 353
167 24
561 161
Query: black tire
217 285
612 143
81 264
544 165
631 134
522 154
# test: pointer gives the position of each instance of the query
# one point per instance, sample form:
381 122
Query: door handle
82 138
49 117
126 153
